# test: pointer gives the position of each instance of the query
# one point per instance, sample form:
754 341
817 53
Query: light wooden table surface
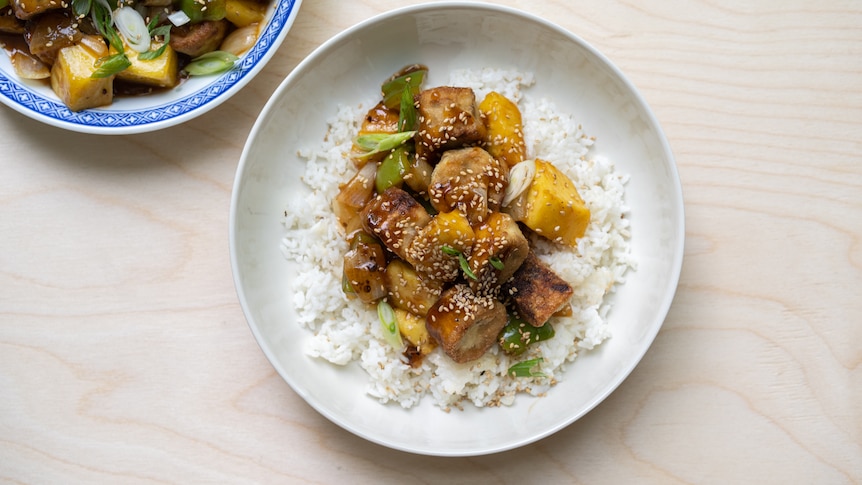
125 357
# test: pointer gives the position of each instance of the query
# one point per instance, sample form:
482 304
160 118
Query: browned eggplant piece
50 32
9 23
195 39
25 9
498 252
448 117
364 267
536 291
464 324
409 289
470 180
394 217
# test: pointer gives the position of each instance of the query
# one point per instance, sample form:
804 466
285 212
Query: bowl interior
137 114
348 69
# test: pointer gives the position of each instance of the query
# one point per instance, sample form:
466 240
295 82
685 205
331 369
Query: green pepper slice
517 335
200 10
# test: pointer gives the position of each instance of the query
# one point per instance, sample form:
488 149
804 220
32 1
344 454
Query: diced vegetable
525 369
159 72
418 175
392 169
440 248
71 79
517 335
505 136
354 195
364 265
536 292
501 239
551 206
409 78
240 40
200 10
244 12
465 325
412 328
30 8
410 290
29 67
46 34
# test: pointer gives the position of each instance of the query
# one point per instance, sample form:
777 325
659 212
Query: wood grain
125 358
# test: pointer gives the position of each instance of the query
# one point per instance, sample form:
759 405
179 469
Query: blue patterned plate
190 99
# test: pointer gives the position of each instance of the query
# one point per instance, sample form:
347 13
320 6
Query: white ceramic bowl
444 36
127 115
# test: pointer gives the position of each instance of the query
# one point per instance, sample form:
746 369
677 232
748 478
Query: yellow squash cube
447 229
71 81
161 72
452 229
551 206
412 327
505 136
244 12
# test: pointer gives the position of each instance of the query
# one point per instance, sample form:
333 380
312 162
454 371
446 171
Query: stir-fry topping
446 225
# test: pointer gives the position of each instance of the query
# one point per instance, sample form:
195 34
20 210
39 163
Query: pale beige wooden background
125 358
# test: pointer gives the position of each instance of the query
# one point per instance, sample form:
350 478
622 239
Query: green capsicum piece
517 335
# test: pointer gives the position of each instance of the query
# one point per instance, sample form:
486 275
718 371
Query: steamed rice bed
346 331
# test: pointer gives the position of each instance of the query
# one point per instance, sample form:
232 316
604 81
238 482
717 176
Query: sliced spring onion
380 142
389 324
520 177
179 18
165 31
133 28
525 368
496 262
211 63
103 19
110 65
462 261
407 113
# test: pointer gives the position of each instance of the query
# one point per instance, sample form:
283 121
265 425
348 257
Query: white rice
347 331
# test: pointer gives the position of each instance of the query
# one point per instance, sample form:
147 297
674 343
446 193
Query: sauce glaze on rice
346 331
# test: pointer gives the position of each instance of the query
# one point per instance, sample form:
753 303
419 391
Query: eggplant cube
464 324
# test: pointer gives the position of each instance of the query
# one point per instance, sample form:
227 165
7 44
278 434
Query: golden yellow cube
161 72
552 207
412 327
71 81
244 12
452 229
505 136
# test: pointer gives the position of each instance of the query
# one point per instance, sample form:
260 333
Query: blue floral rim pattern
107 118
